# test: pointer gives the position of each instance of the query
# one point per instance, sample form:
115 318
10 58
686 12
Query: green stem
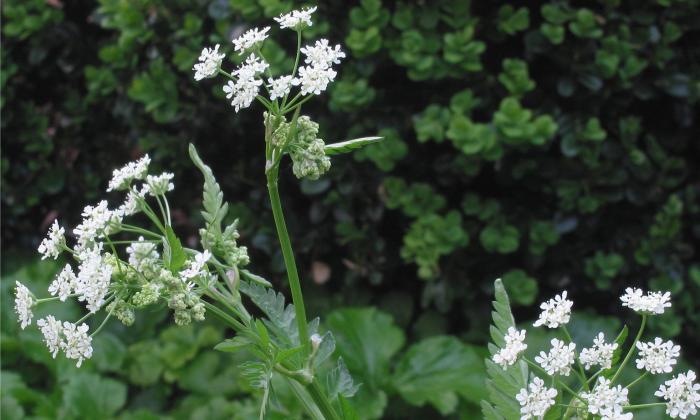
104 322
136 229
642 376
321 401
631 351
581 373
640 406
296 66
290 264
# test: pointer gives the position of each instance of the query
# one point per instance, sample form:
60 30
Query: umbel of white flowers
246 79
104 280
606 400
312 75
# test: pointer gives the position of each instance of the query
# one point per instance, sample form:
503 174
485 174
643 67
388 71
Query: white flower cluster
64 284
93 279
196 266
296 19
159 184
245 83
209 63
657 356
71 338
98 222
243 91
607 401
653 303
23 304
555 312
600 354
559 359
515 344
682 394
536 402
124 176
52 245
249 40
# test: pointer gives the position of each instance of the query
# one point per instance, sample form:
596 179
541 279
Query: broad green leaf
367 339
88 396
177 254
349 145
436 369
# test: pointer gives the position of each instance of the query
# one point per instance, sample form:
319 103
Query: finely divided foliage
605 398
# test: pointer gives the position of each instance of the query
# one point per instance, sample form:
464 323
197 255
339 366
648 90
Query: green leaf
436 370
213 198
89 396
367 339
349 145
176 255
502 385
280 318
231 345
339 382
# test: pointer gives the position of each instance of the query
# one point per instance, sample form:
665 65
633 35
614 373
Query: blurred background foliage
553 144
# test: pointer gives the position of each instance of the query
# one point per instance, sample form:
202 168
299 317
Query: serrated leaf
176 254
349 145
339 381
213 198
325 349
283 355
502 385
280 318
232 345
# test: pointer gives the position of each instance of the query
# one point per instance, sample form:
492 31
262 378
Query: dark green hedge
553 143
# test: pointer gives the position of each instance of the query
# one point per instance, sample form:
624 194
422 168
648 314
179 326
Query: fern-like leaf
280 318
215 208
502 385
349 145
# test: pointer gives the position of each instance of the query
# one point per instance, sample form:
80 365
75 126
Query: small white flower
314 79
555 312
296 19
210 62
250 39
52 245
131 204
63 284
682 394
160 184
600 354
321 55
98 221
77 343
536 402
653 303
279 87
315 341
559 359
508 355
143 255
243 91
124 176
52 330
23 304
657 356
196 266
606 401
94 278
